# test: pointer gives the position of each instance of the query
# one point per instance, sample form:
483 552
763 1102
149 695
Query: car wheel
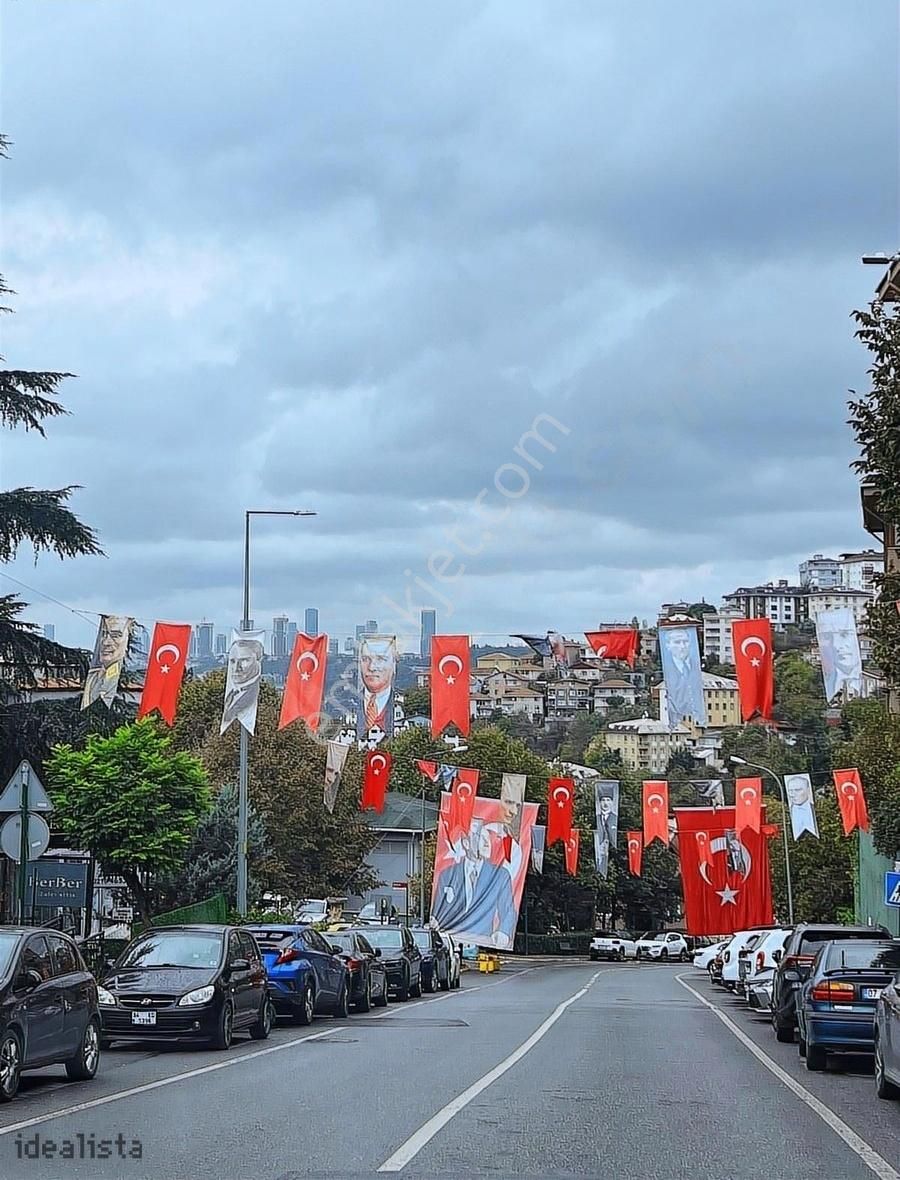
415 989
364 1004
621 954
263 1026
816 1058
83 1066
883 1087
445 983
594 956
225 1031
304 1014
403 989
381 1000
664 954
10 1066
685 957
784 1035
342 1007
801 1045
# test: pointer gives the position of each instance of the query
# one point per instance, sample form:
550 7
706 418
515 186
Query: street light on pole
244 776
784 825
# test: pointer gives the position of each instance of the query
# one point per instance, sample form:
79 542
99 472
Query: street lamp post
784 826
244 775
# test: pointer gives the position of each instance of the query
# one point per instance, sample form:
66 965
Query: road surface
575 1069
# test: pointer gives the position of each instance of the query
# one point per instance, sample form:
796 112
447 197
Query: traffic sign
892 889
38 836
38 799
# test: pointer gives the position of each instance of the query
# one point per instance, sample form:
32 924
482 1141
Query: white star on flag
164 668
727 895
754 663
451 680
304 676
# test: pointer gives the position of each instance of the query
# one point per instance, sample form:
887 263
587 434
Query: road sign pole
23 844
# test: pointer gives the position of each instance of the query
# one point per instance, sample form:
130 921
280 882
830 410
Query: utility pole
24 848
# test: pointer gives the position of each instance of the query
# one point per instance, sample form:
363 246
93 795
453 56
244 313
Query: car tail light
291 955
797 960
354 964
833 990
760 960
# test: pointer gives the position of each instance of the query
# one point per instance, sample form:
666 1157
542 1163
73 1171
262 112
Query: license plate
871 993
143 1018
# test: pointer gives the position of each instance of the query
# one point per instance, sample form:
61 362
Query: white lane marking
869 1156
411 1148
171 1079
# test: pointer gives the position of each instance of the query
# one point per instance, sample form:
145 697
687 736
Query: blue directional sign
892 889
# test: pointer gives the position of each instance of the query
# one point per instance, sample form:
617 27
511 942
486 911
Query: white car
731 956
704 957
666 945
757 966
608 944
455 952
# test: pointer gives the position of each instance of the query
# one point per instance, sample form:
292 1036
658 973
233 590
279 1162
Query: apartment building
646 744
720 696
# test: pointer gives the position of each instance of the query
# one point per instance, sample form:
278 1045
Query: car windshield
8 944
340 938
422 939
659 938
813 941
885 957
387 937
176 948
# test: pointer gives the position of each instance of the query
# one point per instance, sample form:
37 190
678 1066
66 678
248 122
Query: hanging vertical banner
245 660
798 788
549 647
635 848
450 680
375 780
679 651
725 876
560 809
572 844
165 670
606 808
752 639
107 661
477 889
851 800
335 759
377 668
463 792
305 683
538 843
512 796
747 803
839 652
656 811
619 644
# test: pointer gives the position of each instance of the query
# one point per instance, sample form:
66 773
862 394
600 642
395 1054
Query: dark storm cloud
343 256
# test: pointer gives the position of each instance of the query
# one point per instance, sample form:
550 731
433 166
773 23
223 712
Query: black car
365 970
401 957
187 983
48 1007
435 958
802 946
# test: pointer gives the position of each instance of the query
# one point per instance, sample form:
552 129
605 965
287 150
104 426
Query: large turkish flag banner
449 683
753 665
851 800
726 878
656 811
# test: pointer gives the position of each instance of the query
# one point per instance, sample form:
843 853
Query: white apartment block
856 600
820 573
858 570
646 744
779 602
718 643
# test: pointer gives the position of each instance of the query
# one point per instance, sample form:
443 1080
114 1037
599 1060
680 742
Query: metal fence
869 890
214 911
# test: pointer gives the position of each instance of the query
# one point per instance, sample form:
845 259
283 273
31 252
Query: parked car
703 957
314 909
757 983
305 975
187 983
887 1041
454 949
401 957
836 1004
665 945
435 958
801 948
48 1007
612 944
366 974
371 912
731 956
757 954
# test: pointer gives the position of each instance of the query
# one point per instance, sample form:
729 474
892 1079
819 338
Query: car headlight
200 995
106 997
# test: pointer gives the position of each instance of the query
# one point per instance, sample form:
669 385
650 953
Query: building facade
311 621
779 602
427 625
646 744
858 570
820 573
718 639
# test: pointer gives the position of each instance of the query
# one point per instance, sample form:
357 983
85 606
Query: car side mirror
240 965
777 955
28 981
335 949
377 950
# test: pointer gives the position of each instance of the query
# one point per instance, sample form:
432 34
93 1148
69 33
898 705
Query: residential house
613 688
720 696
568 696
782 604
646 744
718 644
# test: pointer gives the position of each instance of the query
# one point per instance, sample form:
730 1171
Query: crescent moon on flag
463 790
601 649
561 793
751 791
650 799
750 641
452 660
379 761
703 867
176 652
308 655
633 845
849 788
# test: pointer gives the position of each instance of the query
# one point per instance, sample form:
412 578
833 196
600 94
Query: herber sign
58 884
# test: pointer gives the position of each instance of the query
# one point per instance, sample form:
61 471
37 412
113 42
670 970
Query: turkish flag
851 800
305 682
449 683
165 669
753 664
726 878
429 769
747 804
560 809
375 780
573 839
656 812
462 802
635 848
619 644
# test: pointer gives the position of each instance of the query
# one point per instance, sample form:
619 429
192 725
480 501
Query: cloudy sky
341 256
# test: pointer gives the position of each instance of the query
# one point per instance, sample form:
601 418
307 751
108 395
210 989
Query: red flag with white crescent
851 800
560 809
450 678
165 669
747 804
375 780
635 848
753 665
429 769
305 683
462 802
656 811
573 839
725 873
618 644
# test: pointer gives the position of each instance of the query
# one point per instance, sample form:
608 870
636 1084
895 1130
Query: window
248 946
234 948
316 942
36 957
64 954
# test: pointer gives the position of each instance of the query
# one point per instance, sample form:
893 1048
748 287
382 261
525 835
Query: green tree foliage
311 853
417 702
872 745
579 732
132 800
821 870
799 693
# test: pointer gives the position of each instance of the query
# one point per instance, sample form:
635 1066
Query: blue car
305 975
836 1005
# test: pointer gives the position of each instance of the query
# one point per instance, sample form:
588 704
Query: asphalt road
558 1070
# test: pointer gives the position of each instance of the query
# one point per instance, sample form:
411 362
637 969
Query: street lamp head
738 761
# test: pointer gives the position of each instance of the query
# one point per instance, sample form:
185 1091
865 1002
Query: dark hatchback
401 957
435 958
187 983
48 1007
365 970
